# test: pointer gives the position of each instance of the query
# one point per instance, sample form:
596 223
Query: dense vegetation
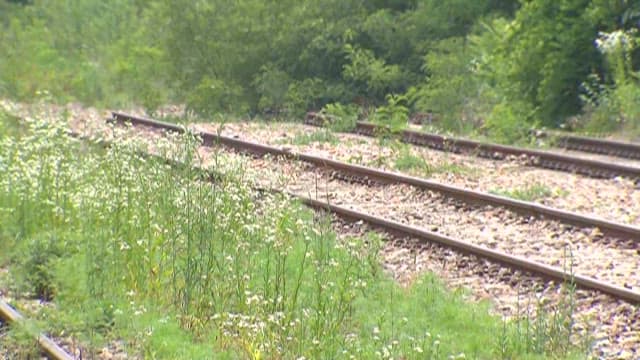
174 267
497 67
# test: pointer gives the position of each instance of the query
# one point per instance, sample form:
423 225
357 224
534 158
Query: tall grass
129 247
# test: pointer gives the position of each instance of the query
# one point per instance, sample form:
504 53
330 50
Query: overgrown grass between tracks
130 248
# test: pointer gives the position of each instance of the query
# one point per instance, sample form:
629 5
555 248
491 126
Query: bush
610 107
38 263
342 118
152 253
395 114
508 123
272 86
450 88
213 96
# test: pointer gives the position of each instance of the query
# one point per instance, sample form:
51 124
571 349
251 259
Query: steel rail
50 348
537 158
596 146
513 262
609 228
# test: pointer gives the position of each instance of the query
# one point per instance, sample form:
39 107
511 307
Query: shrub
38 265
507 123
342 118
213 96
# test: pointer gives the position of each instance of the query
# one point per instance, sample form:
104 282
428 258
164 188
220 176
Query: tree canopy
483 65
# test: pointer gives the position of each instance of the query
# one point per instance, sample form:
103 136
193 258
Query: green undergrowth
130 248
318 136
530 192
406 160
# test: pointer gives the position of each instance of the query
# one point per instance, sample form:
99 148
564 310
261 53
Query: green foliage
544 57
395 114
533 192
451 89
507 123
311 94
550 331
9 125
18 341
540 58
370 76
133 68
272 86
406 160
615 106
319 136
81 50
38 265
179 267
628 96
212 96
466 62
342 118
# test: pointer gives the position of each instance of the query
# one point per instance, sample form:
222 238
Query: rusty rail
50 348
538 158
608 228
513 262
594 145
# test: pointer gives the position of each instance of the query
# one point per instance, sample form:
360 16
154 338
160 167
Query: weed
395 115
19 341
342 118
455 169
179 266
38 266
318 136
406 160
532 192
9 125
549 329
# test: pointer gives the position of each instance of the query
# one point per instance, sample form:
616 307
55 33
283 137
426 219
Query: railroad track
403 230
521 267
537 158
518 263
608 228
9 315
593 145
368 174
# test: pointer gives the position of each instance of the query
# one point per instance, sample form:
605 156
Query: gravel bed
538 240
614 322
598 157
610 324
613 199
585 251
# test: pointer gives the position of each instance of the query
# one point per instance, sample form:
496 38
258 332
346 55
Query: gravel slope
614 199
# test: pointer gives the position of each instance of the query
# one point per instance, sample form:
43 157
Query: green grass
180 268
318 136
9 124
407 161
532 192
